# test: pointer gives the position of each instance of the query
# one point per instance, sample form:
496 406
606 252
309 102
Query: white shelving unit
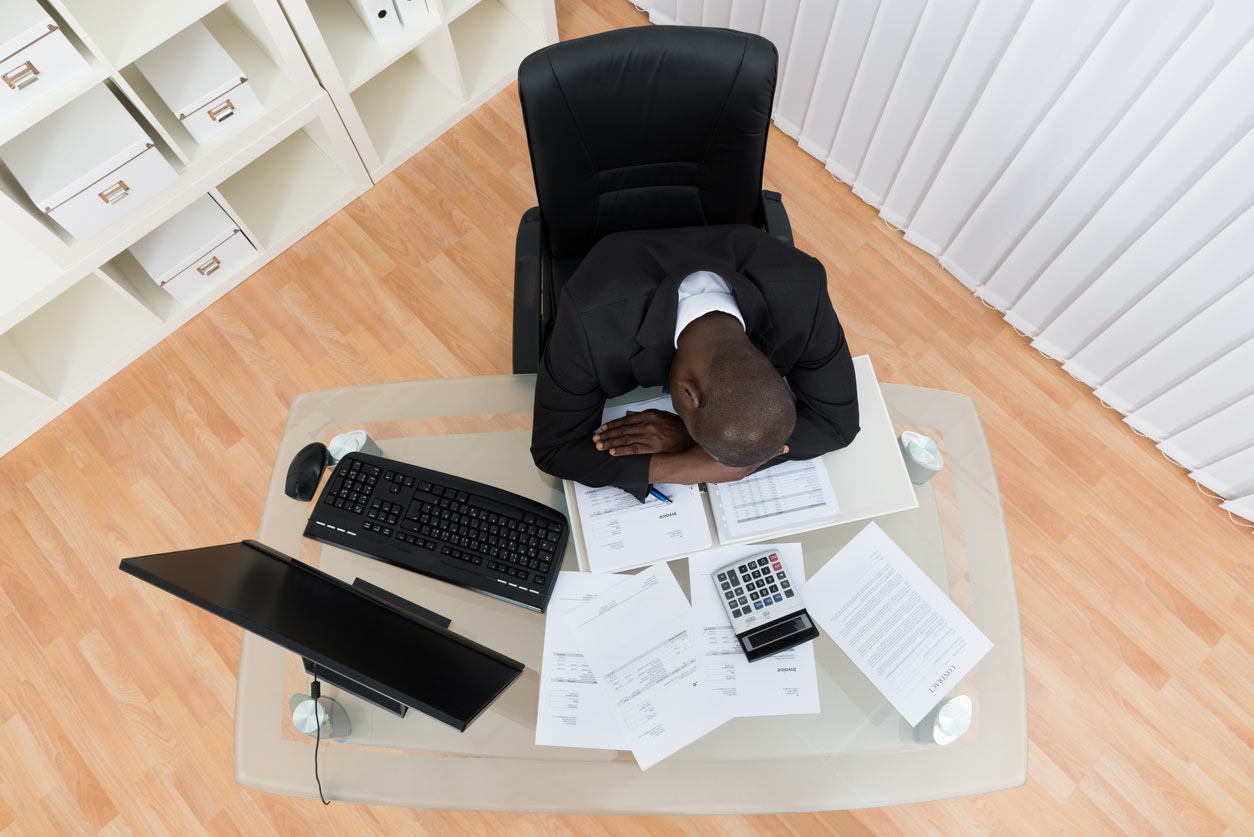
73 313
396 96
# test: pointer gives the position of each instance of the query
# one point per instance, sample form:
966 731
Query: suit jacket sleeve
822 379
568 405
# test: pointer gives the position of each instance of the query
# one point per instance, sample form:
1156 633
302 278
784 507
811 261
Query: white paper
637 638
621 533
775 499
894 623
782 684
573 709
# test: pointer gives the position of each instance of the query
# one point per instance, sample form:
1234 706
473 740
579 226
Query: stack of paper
630 665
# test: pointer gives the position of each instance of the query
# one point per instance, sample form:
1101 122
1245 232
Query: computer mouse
306 470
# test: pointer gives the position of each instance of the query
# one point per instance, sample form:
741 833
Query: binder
379 16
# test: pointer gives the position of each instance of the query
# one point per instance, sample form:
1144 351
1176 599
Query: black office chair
642 128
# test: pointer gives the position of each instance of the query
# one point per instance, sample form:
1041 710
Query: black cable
315 691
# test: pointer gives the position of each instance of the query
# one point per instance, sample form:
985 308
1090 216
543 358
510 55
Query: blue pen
659 495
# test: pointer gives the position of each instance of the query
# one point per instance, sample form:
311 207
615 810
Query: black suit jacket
615 331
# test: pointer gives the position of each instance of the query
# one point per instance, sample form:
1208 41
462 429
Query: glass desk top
858 752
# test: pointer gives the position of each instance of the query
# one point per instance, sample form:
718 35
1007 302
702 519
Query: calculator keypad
753 586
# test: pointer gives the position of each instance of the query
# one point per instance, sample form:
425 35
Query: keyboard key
788 594
742 601
757 605
726 585
773 589
778 597
762 562
784 583
730 596
754 594
736 612
739 590
539 580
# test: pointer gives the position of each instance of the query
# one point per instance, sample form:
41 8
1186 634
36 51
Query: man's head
731 399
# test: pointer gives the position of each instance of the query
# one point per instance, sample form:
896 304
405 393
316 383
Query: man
739 325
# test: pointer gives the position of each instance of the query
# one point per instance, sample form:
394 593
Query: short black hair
746 411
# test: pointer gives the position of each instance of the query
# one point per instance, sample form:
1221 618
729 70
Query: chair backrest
645 128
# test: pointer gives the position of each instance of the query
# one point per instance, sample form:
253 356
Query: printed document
574 711
782 684
621 533
783 497
637 638
899 628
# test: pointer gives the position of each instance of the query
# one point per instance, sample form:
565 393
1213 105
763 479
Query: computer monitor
337 628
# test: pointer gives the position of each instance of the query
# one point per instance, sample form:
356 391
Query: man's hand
653 431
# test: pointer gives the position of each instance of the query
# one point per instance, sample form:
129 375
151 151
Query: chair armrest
528 255
773 217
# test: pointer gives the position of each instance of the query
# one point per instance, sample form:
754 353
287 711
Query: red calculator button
776 567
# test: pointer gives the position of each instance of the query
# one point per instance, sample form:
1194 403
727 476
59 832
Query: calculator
766 613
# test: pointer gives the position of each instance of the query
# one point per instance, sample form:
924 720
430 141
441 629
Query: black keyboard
447 527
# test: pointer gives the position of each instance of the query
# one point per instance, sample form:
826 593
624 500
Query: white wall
1085 166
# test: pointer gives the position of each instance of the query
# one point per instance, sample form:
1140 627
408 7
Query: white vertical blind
1085 166
842 51
927 57
1232 476
1161 406
778 20
1214 437
716 13
799 77
1134 49
1223 264
746 15
978 52
1243 507
886 46
1204 53
1052 42
1200 138
1221 195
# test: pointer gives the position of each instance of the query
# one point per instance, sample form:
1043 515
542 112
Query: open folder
613 531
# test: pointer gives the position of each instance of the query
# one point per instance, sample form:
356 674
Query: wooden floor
1137 594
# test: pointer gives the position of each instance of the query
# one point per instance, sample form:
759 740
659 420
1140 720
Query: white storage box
200 83
194 250
87 164
35 55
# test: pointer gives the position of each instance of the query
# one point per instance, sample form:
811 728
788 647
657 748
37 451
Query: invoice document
898 627
781 684
621 533
637 638
574 711
782 497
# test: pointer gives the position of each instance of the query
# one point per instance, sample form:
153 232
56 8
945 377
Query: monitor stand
367 694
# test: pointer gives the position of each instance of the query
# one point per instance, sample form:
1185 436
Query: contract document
637 638
899 628
783 498
574 711
621 533
782 684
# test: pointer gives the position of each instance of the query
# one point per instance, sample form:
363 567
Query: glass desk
857 753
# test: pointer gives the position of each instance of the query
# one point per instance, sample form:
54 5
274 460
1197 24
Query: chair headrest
648 127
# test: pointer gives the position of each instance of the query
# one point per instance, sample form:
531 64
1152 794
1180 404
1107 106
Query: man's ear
688 392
